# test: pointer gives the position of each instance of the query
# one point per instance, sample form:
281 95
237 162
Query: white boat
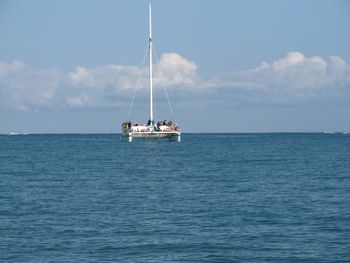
151 130
16 133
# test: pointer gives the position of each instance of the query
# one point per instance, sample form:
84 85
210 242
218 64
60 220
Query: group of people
165 123
126 124
171 125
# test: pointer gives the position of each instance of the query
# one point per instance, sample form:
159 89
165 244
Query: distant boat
152 130
15 133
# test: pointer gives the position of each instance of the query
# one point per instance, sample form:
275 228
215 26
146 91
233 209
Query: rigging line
163 82
154 96
137 83
154 103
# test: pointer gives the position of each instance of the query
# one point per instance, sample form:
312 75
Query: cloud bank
292 79
296 78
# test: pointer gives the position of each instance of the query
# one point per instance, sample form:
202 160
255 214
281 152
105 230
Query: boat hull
173 136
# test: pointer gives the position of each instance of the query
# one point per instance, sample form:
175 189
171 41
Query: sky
228 66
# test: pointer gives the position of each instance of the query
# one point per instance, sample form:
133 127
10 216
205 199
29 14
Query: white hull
173 135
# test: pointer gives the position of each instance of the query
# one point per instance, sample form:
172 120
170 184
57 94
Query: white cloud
176 70
22 88
118 77
6 69
293 78
96 86
295 71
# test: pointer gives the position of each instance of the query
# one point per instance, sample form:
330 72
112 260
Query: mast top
150 21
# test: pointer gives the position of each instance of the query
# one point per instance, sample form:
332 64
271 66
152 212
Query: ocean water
210 198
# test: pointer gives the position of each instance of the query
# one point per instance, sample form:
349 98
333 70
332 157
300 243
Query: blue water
210 198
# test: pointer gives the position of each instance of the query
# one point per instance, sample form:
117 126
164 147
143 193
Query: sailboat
162 129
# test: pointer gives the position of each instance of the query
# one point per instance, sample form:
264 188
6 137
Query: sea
249 197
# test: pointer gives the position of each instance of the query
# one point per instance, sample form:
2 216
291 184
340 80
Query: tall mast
150 67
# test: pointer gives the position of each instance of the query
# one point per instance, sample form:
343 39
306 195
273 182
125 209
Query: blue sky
235 66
